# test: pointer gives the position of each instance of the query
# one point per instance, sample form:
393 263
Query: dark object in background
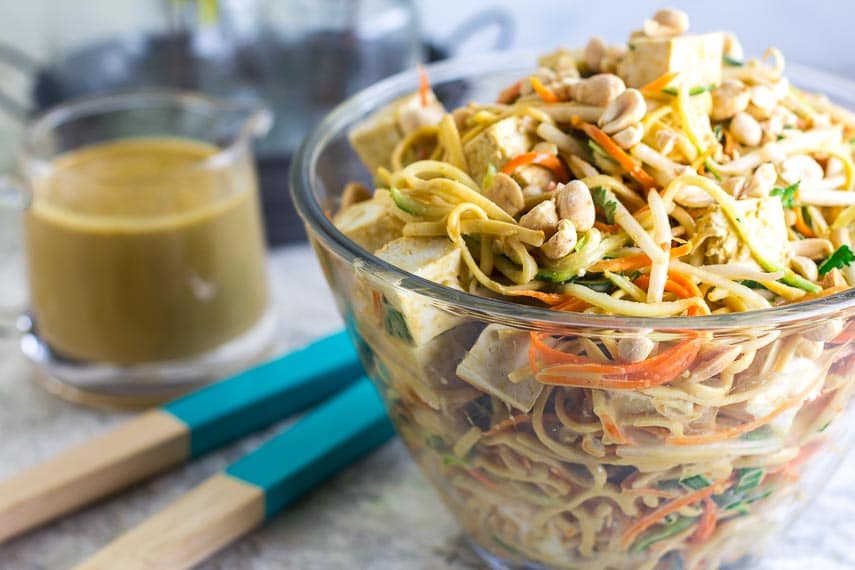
299 65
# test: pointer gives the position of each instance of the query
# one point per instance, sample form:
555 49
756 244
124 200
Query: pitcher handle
23 63
479 22
13 197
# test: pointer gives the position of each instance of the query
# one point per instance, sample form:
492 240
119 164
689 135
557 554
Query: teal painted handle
319 445
242 404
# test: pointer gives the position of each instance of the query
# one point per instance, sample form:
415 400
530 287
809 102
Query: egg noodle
633 449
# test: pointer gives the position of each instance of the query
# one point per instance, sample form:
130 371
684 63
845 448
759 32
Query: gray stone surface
379 514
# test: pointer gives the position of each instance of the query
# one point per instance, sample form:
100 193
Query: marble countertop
379 514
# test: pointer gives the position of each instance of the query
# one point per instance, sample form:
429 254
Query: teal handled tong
209 418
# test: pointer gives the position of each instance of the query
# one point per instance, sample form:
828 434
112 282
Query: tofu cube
696 57
763 218
411 316
496 145
369 224
498 352
426 372
375 138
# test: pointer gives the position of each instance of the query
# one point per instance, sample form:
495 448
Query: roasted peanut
746 129
629 137
562 241
801 168
634 349
506 193
598 90
676 20
762 181
542 217
627 109
575 203
594 54
728 99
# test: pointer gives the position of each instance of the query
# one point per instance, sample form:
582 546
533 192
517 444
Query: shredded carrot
511 422
650 519
543 91
801 226
670 285
483 479
825 292
611 427
509 94
607 228
737 430
424 86
707 524
577 371
549 161
685 282
548 298
637 261
656 86
611 147
572 305
846 336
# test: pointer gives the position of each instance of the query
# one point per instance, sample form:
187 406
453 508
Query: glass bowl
549 463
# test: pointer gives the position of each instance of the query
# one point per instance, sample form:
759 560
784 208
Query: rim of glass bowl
304 177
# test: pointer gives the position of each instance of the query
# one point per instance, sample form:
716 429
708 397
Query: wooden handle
135 450
188 531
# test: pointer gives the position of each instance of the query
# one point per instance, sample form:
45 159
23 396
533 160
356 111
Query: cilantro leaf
733 62
692 91
787 194
842 257
601 199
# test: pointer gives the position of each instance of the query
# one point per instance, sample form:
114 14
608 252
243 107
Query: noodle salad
670 176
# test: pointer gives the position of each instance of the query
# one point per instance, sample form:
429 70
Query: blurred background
303 56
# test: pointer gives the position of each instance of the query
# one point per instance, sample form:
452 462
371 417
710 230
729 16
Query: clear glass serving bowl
543 471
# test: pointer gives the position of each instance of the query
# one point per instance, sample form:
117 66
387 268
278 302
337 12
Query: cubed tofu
409 315
498 352
369 224
763 219
426 371
696 57
375 138
496 145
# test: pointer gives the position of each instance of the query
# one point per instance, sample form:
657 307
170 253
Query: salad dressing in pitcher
136 253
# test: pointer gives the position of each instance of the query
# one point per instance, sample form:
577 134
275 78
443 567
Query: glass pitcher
143 244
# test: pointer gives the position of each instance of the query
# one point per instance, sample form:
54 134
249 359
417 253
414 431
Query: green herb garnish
695 483
601 199
749 478
449 459
505 545
692 92
717 132
712 169
751 284
733 62
489 177
676 526
787 194
842 257
825 427
394 322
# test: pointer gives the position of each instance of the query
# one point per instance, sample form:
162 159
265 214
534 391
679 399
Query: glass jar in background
144 245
